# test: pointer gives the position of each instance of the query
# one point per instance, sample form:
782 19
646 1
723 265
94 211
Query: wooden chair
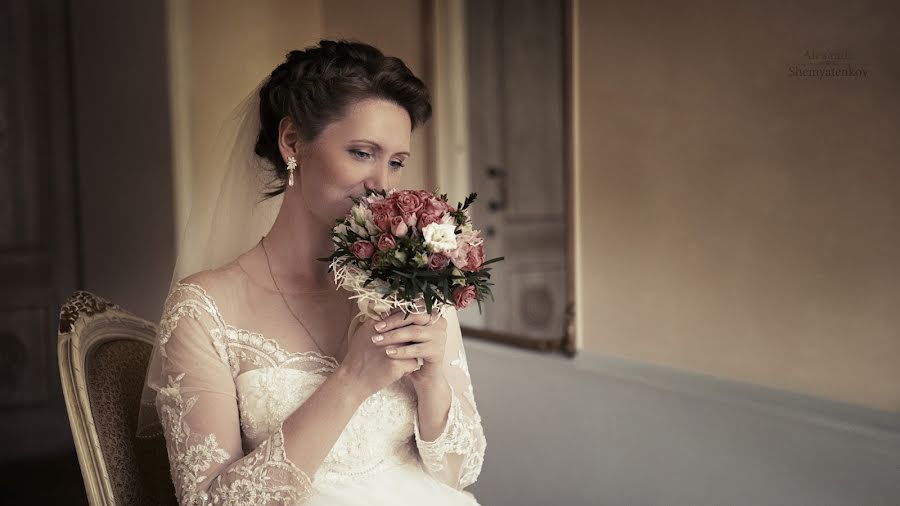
104 351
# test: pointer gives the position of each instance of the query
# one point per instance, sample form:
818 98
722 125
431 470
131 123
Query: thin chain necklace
269 265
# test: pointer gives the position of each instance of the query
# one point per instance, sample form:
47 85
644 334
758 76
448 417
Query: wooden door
38 249
515 84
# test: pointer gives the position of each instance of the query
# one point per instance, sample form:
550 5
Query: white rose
440 237
359 214
371 228
359 229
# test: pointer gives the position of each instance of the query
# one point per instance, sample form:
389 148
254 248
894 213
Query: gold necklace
269 266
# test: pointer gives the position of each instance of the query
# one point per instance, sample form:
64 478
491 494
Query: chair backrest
104 351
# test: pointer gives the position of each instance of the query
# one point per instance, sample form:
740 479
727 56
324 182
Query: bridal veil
228 216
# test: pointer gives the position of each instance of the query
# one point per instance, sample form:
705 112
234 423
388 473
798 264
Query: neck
295 241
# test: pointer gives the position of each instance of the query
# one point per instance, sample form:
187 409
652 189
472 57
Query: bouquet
402 248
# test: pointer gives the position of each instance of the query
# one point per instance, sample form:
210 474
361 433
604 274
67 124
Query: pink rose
428 219
431 212
433 206
460 255
426 197
438 261
474 256
362 249
439 203
386 241
469 253
386 206
408 202
463 295
378 205
398 226
382 220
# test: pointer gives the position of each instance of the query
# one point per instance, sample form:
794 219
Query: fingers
406 366
396 320
409 351
402 335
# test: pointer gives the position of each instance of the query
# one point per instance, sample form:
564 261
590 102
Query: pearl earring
291 165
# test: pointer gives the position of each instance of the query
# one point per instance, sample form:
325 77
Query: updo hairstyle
314 87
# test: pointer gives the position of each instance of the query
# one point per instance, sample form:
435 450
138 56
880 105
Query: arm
197 403
448 428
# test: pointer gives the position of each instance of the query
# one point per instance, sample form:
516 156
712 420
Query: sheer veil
227 218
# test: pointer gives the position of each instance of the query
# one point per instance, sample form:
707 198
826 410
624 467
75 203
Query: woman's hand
418 336
367 366
421 336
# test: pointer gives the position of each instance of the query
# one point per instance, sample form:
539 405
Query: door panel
38 248
515 64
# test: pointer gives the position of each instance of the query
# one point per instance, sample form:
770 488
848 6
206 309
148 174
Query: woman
263 395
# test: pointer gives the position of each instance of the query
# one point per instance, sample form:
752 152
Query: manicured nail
380 326
377 337
391 351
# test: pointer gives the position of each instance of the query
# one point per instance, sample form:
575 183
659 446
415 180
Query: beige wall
219 50
733 220
397 28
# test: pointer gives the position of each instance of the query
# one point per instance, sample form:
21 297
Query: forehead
373 119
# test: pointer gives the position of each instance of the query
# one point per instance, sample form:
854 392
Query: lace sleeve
197 404
456 456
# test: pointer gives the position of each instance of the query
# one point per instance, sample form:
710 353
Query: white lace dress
228 391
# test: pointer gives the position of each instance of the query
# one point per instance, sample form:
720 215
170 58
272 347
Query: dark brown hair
315 85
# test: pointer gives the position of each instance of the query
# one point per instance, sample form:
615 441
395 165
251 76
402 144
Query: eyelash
357 152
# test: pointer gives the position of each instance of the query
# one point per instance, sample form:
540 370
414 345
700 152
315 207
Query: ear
289 141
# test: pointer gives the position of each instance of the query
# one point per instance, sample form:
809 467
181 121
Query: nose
378 179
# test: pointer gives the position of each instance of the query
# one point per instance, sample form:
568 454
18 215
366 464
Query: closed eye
361 155
364 155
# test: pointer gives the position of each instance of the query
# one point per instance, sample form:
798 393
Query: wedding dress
223 376
225 392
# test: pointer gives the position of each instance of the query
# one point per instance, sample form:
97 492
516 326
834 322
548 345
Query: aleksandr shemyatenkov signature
828 63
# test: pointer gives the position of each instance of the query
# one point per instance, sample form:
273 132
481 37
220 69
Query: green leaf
446 288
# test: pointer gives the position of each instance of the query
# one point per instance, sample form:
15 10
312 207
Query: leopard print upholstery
138 468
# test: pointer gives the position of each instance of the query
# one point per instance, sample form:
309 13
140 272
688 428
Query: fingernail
380 326
376 338
391 351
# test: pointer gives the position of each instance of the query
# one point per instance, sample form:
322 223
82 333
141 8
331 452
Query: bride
266 385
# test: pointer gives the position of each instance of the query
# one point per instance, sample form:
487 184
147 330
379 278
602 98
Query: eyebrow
378 146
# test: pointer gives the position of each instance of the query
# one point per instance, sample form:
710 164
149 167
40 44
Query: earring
291 165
